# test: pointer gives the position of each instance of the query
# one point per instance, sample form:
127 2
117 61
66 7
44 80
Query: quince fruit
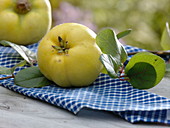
24 21
69 56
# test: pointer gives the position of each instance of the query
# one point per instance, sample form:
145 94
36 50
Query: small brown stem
121 70
122 76
154 52
23 6
7 77
124 79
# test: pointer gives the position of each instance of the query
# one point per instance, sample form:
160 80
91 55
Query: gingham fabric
105 93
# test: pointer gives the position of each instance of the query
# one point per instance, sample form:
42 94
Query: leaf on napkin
31 77
26 53
10 71
5 71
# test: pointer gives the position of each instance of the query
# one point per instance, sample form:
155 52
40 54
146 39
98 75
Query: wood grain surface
19 111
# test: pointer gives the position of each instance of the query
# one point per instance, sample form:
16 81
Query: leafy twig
154 52
10 71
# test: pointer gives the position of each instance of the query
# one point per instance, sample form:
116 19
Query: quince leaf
20 64
114 52
142 75
26 53
10 71
111 65
31 77
5 71
165 39
109 44
154 61
123 33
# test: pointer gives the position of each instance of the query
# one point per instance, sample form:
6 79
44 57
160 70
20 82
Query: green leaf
20 64
165 39
5 71
109 44
110 64
9 71
157 62
31 77
26 53
114 52
142 75
124 33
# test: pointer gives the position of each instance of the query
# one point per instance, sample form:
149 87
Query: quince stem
123 78
22 6
7 77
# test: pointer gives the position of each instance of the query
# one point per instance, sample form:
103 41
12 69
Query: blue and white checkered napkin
104 94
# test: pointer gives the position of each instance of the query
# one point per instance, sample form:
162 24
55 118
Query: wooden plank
18 111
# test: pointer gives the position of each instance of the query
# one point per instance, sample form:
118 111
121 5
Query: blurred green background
146 18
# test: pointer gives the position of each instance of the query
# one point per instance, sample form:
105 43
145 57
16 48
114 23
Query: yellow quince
24 21
69 55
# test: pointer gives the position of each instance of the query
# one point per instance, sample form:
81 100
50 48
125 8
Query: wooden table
18 111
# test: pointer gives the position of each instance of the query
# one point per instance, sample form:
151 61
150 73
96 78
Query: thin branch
7 77
154 52
122 76
124 79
